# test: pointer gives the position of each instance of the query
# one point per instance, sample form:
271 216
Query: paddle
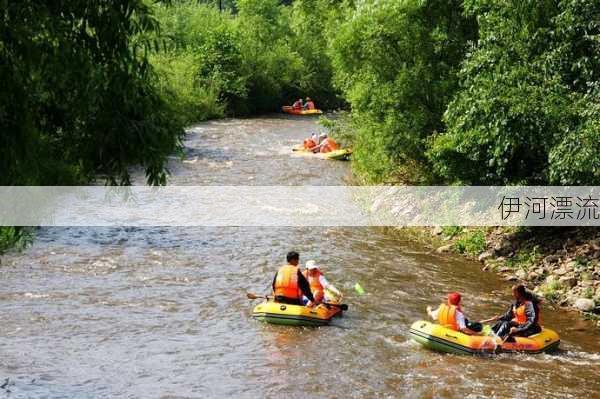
302 149
342 306
250 295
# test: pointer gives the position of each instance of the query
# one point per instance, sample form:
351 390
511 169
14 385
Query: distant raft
338 155
295 111
439 338
295 315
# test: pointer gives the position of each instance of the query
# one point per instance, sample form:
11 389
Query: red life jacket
310 105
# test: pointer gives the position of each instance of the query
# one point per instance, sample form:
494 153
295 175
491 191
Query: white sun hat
311 264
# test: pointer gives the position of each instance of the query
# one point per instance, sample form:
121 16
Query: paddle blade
250 295
359 290
487 330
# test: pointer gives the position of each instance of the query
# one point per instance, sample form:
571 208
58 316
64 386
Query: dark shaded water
161 312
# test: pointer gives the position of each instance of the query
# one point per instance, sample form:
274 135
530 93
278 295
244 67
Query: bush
396 64
525 113
14 237
77 96
251 62
552 291
451 231
178 84
201 71
471 242
524 259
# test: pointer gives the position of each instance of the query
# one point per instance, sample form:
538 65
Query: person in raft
318 283
522 319
450 315
311 142
326 144
298 104
309 104
289 284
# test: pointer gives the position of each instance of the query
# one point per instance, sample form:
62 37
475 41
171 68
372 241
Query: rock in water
485 255
584 304
444 249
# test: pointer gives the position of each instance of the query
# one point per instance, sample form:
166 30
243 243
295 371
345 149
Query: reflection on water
104 312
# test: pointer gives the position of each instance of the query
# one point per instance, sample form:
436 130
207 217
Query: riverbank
562 265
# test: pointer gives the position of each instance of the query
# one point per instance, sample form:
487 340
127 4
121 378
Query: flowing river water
161 312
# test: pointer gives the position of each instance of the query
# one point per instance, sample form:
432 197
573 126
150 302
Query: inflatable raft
294 111
338 155
295 315
439 338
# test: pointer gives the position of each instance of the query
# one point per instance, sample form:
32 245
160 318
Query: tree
76 93
527 109
396 63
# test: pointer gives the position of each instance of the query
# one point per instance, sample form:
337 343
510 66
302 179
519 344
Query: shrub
14 237
471 242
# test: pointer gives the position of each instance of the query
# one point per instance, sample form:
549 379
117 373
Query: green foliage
524 259
396 64
471 242
273 67
575 159
254 61
77 95
313 23
340 128
201 70
451 231
526 112
178 83
14 237
552 290
588 293
581 262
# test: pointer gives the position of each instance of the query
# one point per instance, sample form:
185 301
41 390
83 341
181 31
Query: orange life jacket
316 288
330 145
286 282
520 317
309 143
447 316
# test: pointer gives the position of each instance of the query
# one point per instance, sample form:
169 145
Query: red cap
454 299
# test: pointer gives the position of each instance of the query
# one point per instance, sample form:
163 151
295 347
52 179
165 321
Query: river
161 312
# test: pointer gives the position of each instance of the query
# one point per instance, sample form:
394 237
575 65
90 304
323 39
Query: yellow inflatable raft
338 155
292 111
295 315
439 338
